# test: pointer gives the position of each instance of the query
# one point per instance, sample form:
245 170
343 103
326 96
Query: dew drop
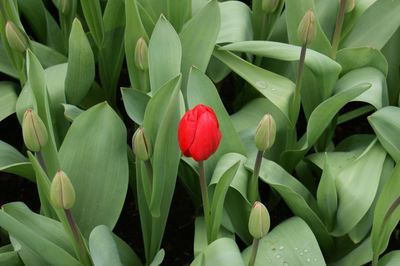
315 259
301 253
305 251
261 84
295 248
308 259
281 247
278 256
285 263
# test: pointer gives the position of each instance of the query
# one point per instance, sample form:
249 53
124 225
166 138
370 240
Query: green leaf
47 56
179 12
103 248
8 99
223 251
390 51
219 198
99 169
10 258
164 54
158 259
297 197
81 68
275 88
390 259
386 125
356 186
94 19
71 112
12 161
360 255
6 66
135 102
202 91
48 250
290 243
235 22
380 20
198 38
353 58
127 255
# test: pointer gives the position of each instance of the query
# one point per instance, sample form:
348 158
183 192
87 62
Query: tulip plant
258 108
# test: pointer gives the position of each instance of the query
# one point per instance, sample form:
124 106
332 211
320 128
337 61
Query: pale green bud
350 4
141 55
265 133
269 6
16 38
307 28
34 131
62 192
141 145
259 221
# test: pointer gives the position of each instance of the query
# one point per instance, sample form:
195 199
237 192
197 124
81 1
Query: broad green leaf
295 11
103 248
236 204
133 31
71 112
390 259
6 66
386 125
94 19
26 100
275 88
47 56
164 54
202 91
219 198
179 12
37 81
353 58
290 243
384 225
48 250
380 20
356 187
127 255
12 161
158 259
318 121
360 255
98 169
235 22
377 95
8 99
223 251
135 102
390 51
297 197
198 38
10 258
81 68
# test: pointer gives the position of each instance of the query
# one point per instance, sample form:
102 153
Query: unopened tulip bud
269 6
16 38
62 192
141 145
141 55
259 221
307 29
350 4
64 6
265 133
34 131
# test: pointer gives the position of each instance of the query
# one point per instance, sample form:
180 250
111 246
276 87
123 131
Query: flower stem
253 187
254 251
296 99
42 162
338 29
204 196
149 171
78 238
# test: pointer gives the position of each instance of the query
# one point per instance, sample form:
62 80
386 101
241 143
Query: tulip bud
307 29
265 133
141 145
259 221
16 38
64 6
269 6
350 4
141 55
34 131
62 192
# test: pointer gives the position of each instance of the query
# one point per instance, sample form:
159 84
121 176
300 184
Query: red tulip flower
198 133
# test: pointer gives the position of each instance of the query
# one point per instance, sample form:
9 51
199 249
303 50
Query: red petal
187 131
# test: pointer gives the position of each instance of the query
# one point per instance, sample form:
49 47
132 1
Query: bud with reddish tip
141 145
16 38
141 55
62 192
34 131
350 4
259 221
307 28
269 6
265 133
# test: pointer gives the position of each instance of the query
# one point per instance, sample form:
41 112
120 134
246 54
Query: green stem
338 29
254 251
204 196
78 238
253 186
296 99
42 162
149 171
